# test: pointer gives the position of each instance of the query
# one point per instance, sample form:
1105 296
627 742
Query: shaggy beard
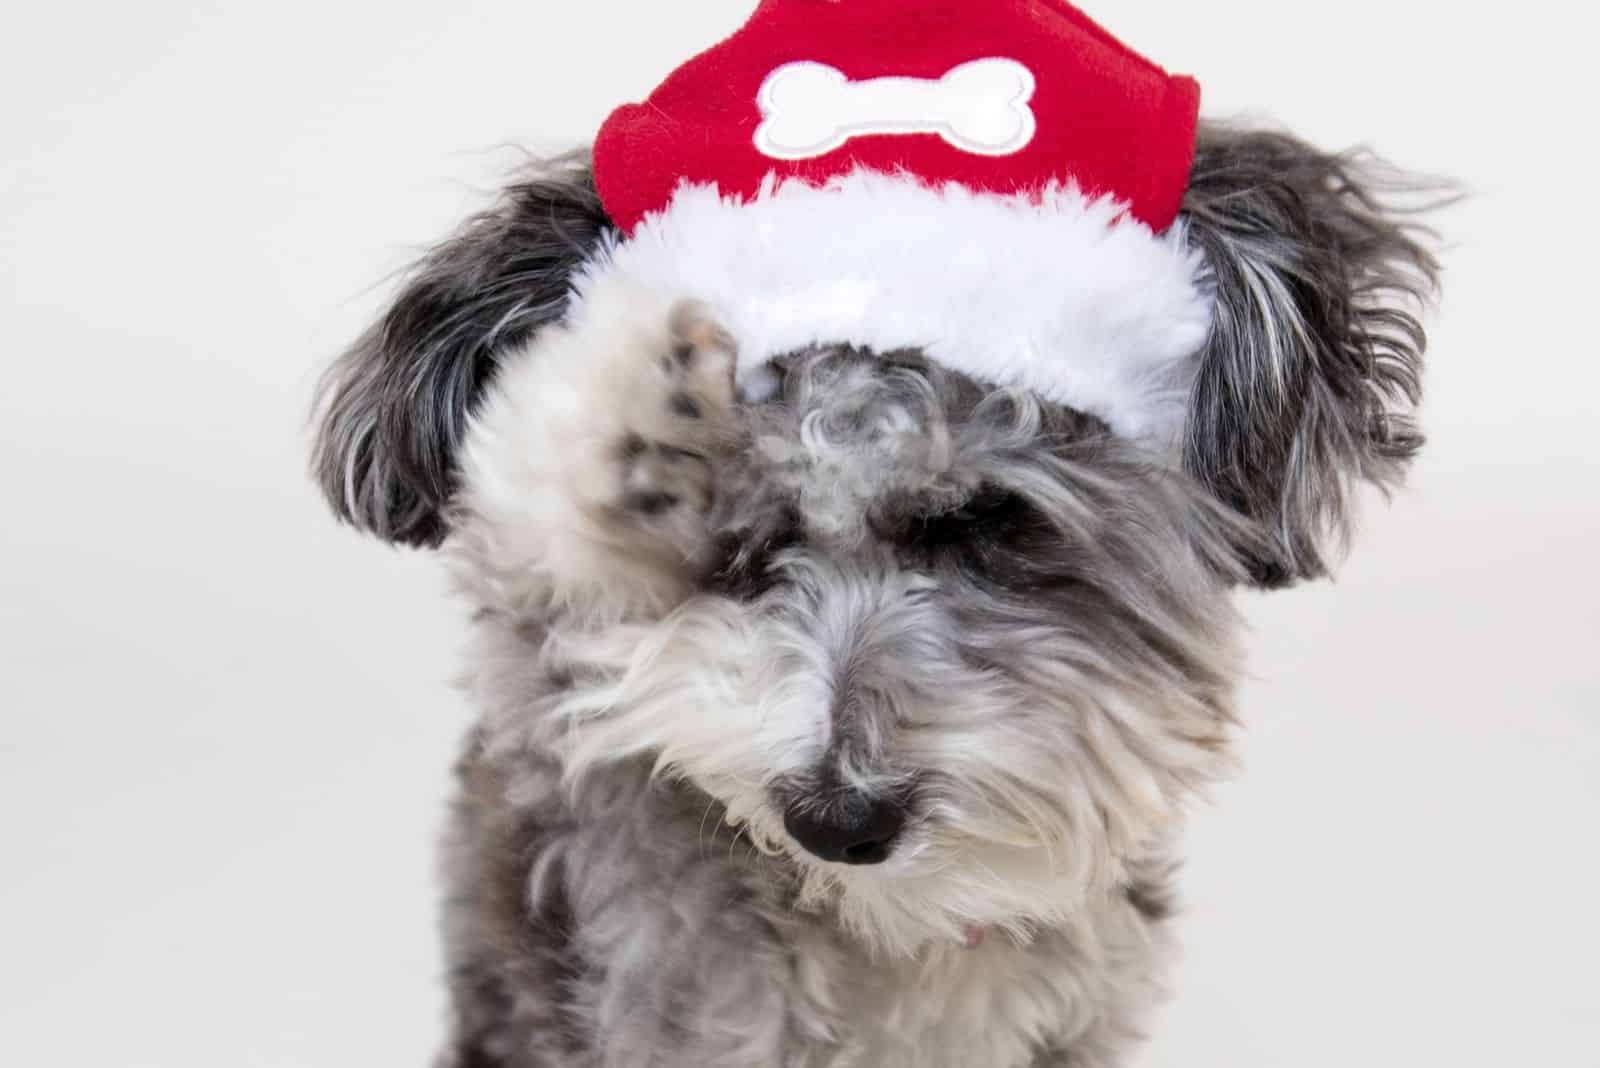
1026 809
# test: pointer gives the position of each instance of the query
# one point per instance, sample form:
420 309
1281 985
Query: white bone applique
982 107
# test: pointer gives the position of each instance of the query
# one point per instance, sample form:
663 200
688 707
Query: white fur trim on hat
1058 293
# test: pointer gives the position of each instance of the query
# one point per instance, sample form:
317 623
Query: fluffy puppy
853 726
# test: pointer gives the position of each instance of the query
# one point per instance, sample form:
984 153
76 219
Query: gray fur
888 583
392 408
964 571
1314 369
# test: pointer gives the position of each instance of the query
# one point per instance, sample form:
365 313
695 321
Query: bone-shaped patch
982 107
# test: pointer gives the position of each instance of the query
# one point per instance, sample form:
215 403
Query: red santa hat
996 183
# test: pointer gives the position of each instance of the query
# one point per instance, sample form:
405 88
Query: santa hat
995 183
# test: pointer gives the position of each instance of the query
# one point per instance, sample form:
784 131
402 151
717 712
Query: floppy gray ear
1310 380
393 407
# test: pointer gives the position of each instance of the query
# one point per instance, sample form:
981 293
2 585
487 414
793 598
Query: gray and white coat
854 725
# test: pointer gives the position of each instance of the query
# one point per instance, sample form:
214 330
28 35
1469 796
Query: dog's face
957 654
995 645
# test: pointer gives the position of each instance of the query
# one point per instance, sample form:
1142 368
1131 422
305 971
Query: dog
853 723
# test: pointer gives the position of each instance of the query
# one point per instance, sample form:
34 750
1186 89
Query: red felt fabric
1108 118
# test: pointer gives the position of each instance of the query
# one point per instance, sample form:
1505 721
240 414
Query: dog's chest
999 1006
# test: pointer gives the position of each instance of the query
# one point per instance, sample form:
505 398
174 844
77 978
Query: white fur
1058 293
540 467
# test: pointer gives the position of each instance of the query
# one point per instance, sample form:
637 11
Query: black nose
847 828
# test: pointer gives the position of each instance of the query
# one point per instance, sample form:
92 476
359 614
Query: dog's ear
393 407
1310 380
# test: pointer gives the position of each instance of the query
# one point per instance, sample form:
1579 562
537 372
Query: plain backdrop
227 722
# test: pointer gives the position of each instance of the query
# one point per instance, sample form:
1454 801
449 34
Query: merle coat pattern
854 727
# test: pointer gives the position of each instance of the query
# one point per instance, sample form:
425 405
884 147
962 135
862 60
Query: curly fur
888 585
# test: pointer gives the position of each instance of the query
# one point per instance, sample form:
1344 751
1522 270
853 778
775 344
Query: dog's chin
936 890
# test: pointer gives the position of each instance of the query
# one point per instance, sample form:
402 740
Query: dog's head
956 651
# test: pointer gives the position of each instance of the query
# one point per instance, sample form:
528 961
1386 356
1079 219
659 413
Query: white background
227 722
